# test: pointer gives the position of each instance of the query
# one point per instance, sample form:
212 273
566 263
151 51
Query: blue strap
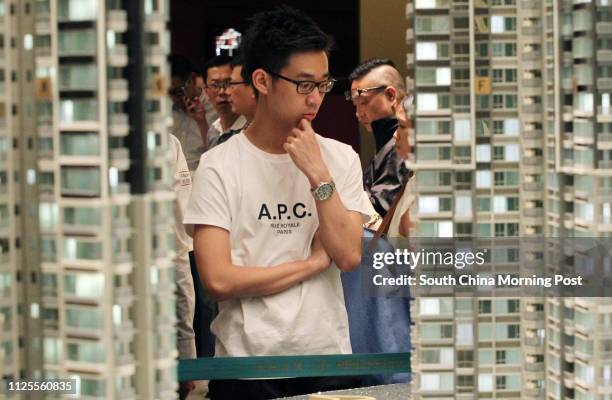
292 366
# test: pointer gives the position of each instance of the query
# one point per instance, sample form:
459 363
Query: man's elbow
218 289
350 262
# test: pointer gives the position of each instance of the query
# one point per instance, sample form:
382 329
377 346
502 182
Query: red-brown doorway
194 24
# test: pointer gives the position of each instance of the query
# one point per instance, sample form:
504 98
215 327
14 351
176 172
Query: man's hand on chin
303 148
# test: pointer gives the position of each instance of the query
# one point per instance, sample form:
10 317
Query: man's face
183 93
372 105
219 97
285 102
241 95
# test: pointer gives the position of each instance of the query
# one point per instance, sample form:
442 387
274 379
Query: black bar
136 139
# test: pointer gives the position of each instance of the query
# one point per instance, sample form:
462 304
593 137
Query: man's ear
391 93
261 81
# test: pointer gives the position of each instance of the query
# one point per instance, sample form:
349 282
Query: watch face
324 192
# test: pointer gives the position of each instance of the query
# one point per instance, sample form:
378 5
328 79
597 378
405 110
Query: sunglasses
354 94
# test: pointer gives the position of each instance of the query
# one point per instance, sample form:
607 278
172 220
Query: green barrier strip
292 366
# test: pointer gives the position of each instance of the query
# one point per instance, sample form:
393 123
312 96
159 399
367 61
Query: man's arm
402 142
196 110
185 296
224 280
203 126
340 229
185 307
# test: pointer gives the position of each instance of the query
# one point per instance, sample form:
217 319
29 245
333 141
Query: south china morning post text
459 261
437 267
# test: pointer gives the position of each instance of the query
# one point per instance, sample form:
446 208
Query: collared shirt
188 133
384 176
215 132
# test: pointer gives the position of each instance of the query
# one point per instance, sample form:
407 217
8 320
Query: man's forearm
244 281
185 305
340 232
203 126
224 280
340 229
186 348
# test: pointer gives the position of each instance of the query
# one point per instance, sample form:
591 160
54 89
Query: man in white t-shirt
185 295
277 214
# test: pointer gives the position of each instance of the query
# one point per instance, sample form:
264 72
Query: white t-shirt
264 201
185 296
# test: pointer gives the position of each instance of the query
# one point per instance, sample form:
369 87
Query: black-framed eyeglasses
217 86
354 94
306 87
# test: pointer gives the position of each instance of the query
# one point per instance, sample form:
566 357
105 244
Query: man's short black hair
199 72
368 65
274 36
238 61
216 61
180 66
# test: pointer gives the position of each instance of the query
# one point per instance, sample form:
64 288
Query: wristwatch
324 191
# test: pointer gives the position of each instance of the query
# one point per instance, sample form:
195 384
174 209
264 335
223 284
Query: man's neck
227 120
267 134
